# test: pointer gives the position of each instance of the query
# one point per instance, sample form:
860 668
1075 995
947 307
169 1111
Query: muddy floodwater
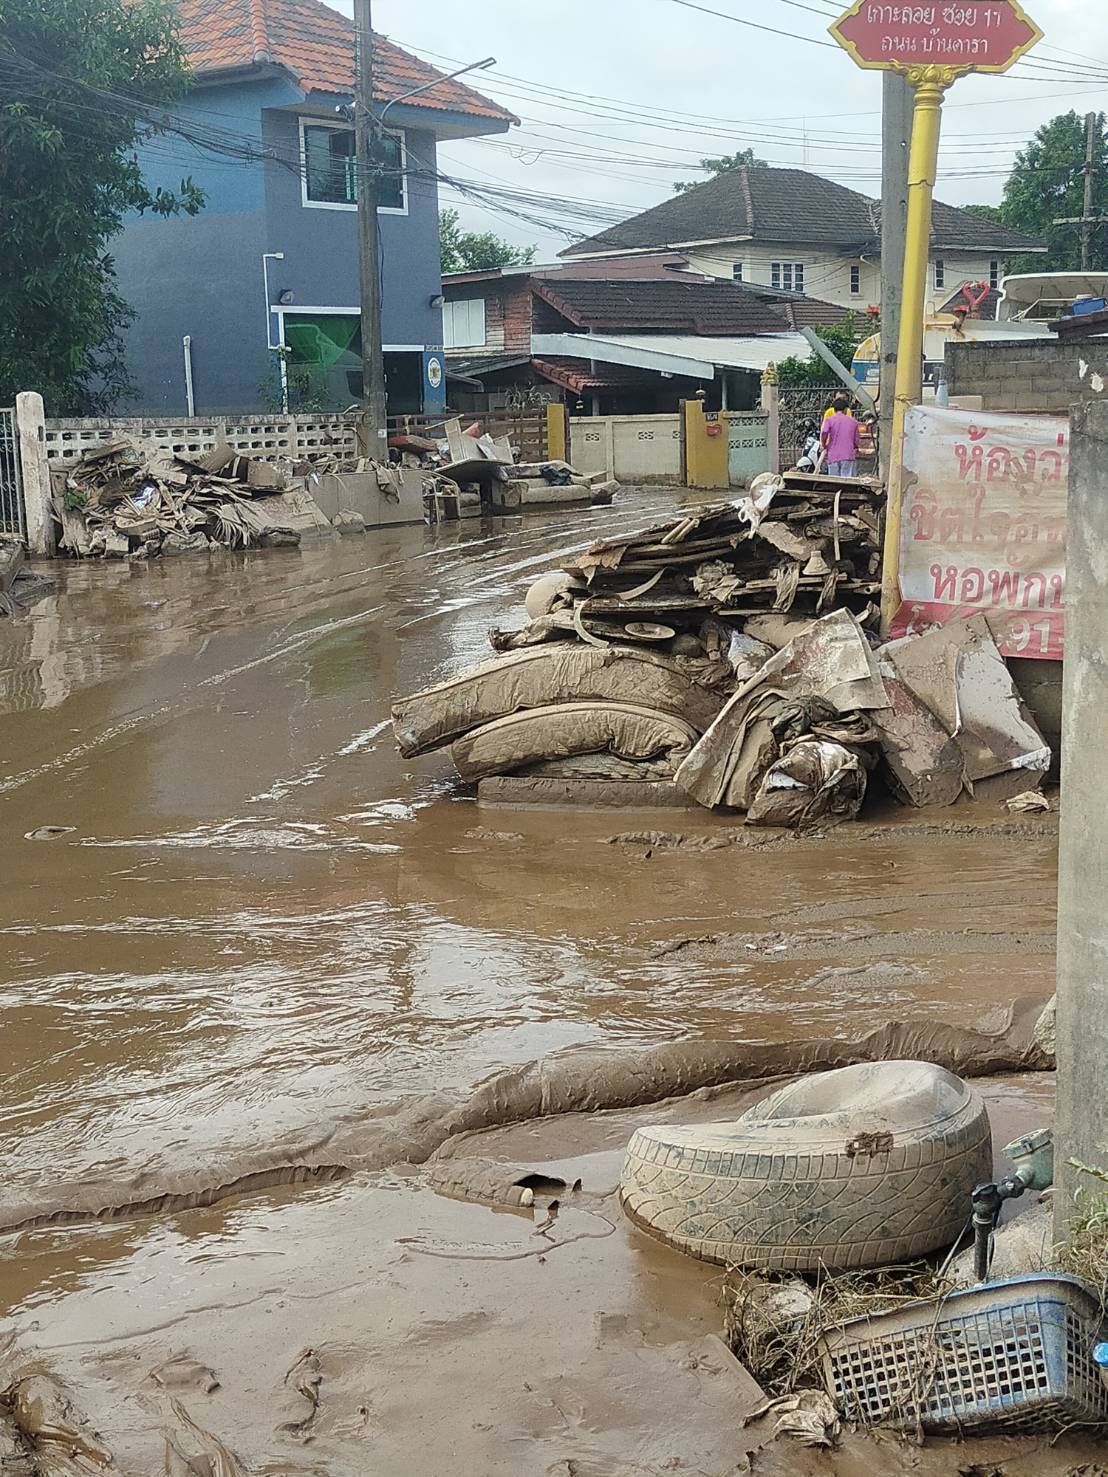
261 933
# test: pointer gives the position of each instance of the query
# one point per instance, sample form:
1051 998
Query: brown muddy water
265 934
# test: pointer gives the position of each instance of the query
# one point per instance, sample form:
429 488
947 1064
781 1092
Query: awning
697 357
580 375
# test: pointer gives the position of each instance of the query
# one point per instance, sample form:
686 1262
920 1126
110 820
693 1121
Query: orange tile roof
315 44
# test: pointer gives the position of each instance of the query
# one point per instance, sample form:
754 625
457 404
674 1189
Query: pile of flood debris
130 499
731 657
20 587
469 472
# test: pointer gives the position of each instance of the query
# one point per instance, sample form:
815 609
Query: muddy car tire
860 1167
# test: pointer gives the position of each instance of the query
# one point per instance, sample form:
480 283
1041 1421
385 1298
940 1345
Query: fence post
30 431
771 404
610 447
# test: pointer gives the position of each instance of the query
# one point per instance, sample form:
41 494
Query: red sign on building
987 37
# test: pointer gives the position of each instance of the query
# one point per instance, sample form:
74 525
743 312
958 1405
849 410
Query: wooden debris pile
129 499
797 545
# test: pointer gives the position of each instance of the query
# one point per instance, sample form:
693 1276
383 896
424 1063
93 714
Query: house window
940 272
856 280
737 272
787 275
994 273
463 324
330 168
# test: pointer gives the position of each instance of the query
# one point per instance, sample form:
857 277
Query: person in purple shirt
839 439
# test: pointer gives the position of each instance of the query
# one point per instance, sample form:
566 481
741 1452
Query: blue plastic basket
1012 1355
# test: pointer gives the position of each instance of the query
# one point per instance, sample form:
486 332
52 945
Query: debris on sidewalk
766 607
129 499
1028 802
20 587
467 472
808 1417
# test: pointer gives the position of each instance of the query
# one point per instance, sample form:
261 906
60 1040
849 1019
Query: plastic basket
1012 1355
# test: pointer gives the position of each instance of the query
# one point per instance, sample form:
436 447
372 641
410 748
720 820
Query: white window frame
736 271
994 274
306 120
448 324
787 276
855 280
940 273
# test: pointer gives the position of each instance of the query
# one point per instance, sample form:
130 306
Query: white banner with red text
983 526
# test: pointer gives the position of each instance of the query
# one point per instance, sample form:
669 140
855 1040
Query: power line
753 25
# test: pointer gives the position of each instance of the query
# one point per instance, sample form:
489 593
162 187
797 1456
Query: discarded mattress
860 1167
542 676
521 740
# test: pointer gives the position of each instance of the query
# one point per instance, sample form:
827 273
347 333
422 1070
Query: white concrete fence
630 448
44 444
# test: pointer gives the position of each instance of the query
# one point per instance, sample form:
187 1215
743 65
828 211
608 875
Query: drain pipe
190 398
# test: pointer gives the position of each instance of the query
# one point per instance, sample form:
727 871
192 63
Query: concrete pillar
771 404
1081 1125
30 431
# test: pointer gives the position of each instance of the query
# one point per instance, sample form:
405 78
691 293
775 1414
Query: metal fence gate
13 514
798 404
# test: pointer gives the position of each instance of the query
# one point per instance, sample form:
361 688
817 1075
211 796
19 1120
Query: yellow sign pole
929 83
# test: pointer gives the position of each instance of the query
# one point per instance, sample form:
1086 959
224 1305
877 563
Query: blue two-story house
271 262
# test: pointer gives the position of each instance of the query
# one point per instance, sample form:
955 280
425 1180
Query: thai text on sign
983 527
978 37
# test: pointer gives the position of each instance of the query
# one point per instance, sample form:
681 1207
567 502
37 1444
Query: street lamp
489 61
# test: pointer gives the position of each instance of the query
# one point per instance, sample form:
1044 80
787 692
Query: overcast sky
655 85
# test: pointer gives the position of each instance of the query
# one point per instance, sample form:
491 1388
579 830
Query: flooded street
265 934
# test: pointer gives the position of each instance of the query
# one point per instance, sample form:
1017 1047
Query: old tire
860 1167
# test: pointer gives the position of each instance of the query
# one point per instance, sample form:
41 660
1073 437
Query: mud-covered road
265 934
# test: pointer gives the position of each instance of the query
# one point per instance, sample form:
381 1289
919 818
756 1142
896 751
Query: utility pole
896 129
1087 220
1081 1120
923 164
375 414
1087 207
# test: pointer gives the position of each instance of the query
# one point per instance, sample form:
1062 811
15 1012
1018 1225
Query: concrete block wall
1032 375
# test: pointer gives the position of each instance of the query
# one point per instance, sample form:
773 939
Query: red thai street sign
988 37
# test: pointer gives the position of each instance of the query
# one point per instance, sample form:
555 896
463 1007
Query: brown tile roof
315 44
669 305
579 374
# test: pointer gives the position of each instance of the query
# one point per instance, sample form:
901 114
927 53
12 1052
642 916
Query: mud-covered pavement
267 937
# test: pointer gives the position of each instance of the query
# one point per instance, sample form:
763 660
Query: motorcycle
809 457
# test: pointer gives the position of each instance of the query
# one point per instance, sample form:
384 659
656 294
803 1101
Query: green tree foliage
69 176
721 165
476 251
841 338
984 212
1047 182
